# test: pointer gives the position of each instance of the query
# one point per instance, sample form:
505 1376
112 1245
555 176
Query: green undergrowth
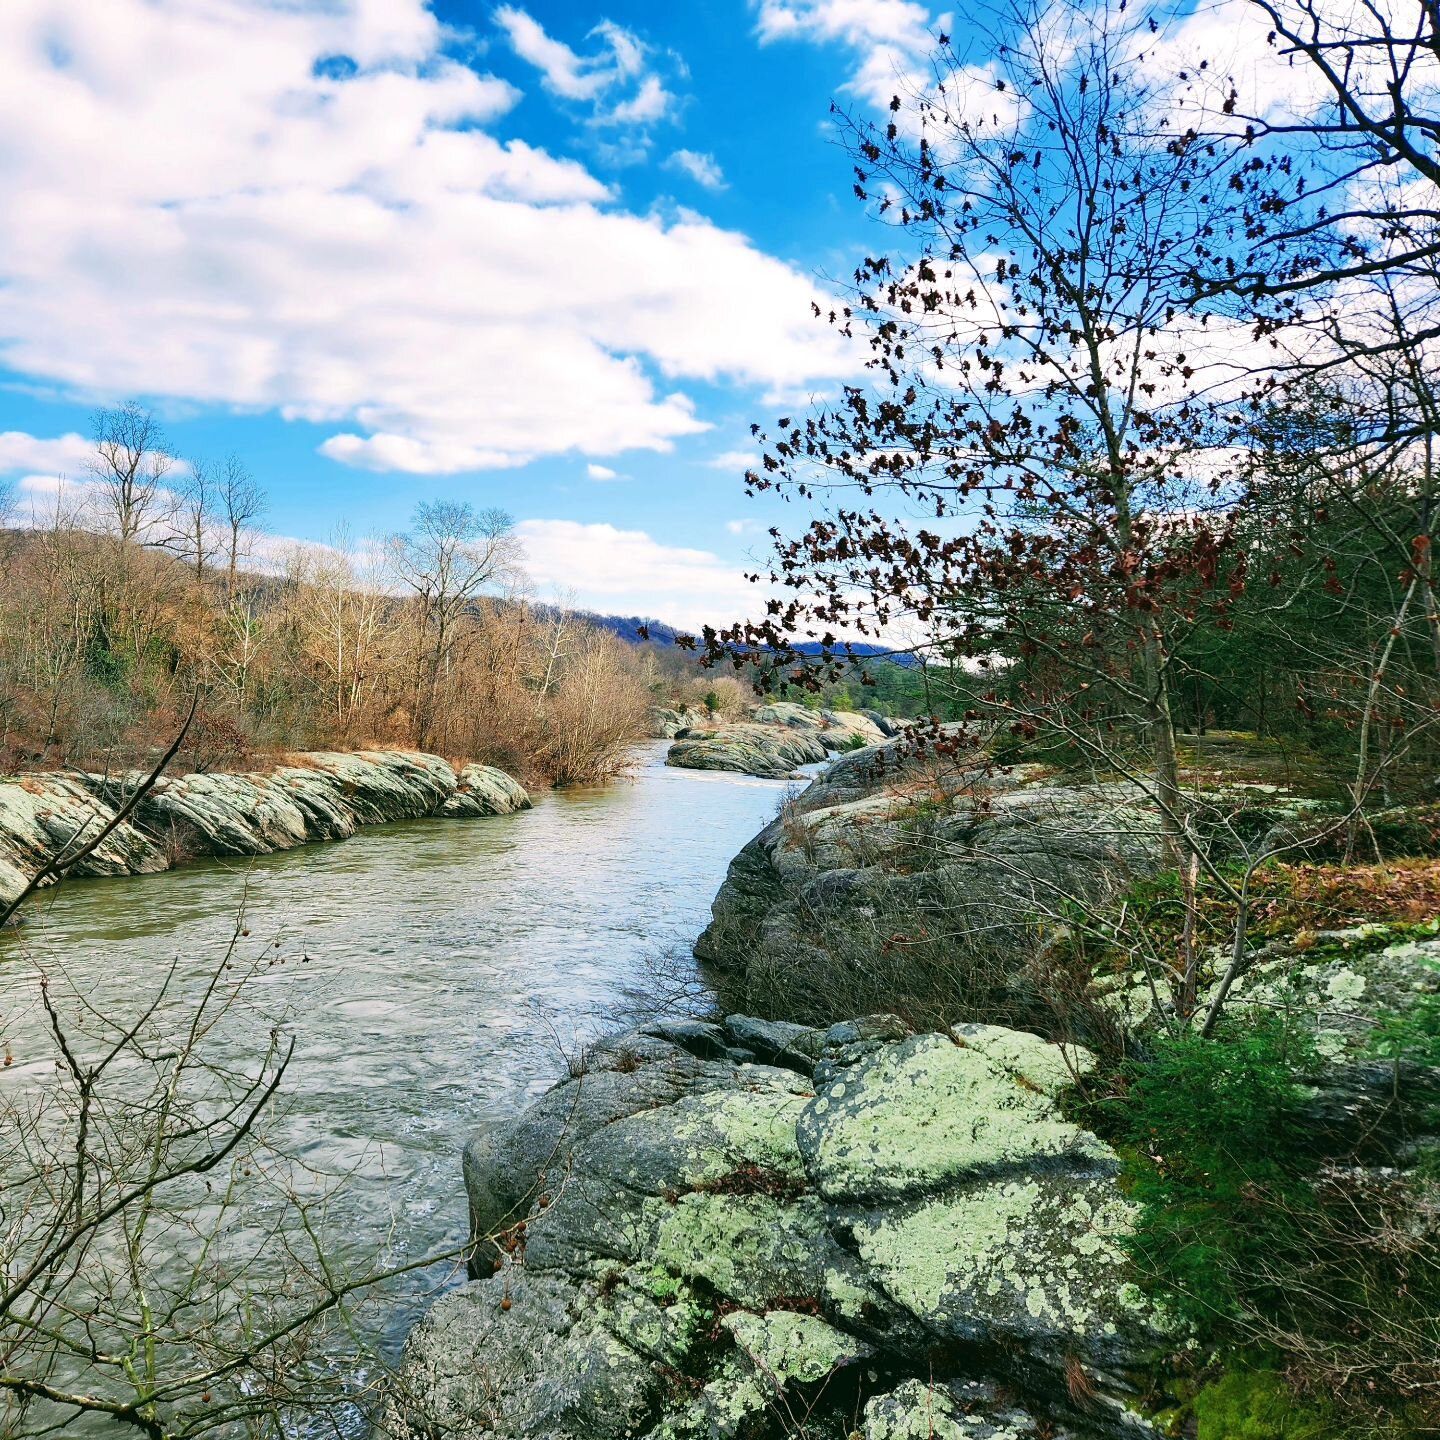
1262 1243
1218 1159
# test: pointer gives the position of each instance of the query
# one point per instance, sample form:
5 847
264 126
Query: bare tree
196 501
129 470
241 503
452 555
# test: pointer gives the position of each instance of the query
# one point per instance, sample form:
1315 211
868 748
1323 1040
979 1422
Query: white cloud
618 63
651 102
203 203
702 169
19 451
890 38
736 461
630 572
743 527
563 71
601 472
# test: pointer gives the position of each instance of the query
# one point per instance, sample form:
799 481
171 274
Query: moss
1257 1405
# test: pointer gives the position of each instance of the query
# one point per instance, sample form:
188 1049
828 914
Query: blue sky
553 257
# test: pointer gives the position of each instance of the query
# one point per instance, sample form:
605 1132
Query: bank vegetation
148 582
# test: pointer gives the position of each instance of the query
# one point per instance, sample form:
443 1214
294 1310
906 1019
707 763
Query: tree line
149 582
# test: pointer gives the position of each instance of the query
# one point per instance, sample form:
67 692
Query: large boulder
684 1241
896 875
42 815
770 751
667 721
484 790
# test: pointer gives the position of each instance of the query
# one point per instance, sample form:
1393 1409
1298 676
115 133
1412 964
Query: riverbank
315 796
433 976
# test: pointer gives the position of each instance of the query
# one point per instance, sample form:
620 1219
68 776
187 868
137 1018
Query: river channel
433 973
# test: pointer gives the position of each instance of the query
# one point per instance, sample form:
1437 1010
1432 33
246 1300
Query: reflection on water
429 967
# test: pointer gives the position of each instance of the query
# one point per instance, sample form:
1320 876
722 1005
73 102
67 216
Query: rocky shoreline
318 795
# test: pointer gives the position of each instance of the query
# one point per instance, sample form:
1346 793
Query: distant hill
629 627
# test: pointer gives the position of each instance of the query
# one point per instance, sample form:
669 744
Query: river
432 972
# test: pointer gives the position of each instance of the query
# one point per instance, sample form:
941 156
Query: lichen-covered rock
917 1410
678 1243
893 859
484 790
325 795
770 751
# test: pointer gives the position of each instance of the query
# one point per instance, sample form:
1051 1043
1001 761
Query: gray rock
663 1214
484 790
43 814
777 1042
836 729
319 796
770 751
823 911
666 722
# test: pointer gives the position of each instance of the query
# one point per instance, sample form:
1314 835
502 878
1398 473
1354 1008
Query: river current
433 973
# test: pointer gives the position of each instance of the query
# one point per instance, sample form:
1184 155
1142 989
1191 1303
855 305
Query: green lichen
723 1131
1025 1256
791 1347
748 1247
930 1112
917 1411
1048 1067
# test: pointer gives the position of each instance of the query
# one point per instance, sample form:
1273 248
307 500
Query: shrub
1220 1165
1255 1239
1257 1405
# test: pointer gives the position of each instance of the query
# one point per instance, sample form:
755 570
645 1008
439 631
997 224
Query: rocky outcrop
666 722
837 729
770 751
720 1226
894 871
320 796
774 741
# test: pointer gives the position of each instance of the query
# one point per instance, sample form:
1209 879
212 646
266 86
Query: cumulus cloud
702 169
889 38
22 452
601 472
300 208
630 572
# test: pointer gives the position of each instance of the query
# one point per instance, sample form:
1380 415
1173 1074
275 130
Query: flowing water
434 971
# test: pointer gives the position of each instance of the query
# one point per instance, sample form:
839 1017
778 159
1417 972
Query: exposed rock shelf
322 795
777 740
887 847
720 1224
